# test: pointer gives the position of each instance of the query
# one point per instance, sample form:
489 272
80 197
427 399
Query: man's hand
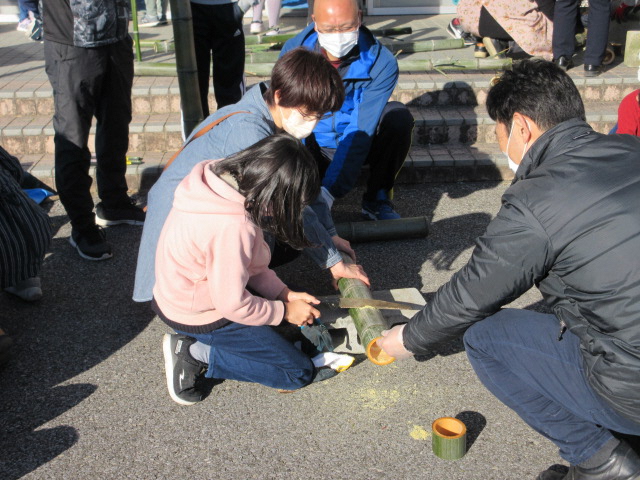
351 270
391 343
344 246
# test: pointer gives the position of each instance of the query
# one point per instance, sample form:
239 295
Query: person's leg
113 114
597 32
228 55
565 19
75 74
256 354
23 11
517 356
152 9
389 149
202 33
256 21
273 12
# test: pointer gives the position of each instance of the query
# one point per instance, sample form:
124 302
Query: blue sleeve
324 252
352 151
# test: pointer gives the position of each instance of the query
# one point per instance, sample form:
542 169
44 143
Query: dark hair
305 79
538 89
278 178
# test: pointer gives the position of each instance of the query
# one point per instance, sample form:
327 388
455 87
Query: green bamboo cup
449 439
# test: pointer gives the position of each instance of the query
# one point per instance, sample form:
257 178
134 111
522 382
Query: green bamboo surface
381 230
369 322
449 438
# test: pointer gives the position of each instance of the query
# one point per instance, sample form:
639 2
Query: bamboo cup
449 439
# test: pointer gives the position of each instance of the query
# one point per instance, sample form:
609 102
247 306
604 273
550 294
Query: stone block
632 49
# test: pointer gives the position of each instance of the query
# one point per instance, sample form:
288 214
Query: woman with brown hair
303 87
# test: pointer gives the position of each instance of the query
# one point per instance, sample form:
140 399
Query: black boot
623 464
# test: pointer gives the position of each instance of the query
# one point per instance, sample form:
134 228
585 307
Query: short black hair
279 178
306 80
538 89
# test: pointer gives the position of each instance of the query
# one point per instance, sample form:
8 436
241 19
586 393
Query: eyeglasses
338 29
309 117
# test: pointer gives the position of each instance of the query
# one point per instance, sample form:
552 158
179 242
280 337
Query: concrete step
424 164
161 95
469 125
450 125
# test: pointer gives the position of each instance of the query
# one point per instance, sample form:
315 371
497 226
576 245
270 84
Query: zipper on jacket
563 328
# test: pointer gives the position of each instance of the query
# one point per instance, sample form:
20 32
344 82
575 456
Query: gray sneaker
148 21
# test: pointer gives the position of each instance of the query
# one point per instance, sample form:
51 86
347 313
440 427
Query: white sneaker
272 31
256 27
25 25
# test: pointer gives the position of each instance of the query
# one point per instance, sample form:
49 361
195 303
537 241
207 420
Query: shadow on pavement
84 317
475 423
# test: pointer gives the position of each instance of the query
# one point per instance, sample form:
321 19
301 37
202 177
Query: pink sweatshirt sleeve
228 269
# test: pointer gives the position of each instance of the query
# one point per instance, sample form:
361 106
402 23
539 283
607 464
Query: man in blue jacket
368 129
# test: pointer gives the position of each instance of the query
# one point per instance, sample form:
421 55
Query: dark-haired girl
212 256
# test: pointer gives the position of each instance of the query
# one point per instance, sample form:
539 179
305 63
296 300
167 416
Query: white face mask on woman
296 125
340 43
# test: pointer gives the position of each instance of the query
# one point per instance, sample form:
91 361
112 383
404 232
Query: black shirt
57 21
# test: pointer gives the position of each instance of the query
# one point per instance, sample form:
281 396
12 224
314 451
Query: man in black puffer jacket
569 224
89 61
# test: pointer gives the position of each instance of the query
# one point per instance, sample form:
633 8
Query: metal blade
373 303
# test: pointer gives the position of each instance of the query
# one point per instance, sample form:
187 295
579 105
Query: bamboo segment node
449 438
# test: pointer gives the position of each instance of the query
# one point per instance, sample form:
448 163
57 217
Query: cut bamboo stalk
136 33
449 439
368 321
424 46
381 230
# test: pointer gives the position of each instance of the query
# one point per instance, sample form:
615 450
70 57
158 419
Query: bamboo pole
186 69
368 321
424 46
264 69
380 230
136 34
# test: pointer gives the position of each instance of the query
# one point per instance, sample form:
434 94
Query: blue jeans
256 354
517 356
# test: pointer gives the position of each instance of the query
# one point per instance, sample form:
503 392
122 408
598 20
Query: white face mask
513 165
338 44
296 125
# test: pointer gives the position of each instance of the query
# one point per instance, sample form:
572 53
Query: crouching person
213 284
570 225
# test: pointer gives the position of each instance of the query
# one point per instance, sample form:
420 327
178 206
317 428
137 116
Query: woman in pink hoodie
213 284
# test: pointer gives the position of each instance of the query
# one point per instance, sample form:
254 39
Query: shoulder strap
200 132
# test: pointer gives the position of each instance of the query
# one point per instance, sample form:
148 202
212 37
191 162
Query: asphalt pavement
84 396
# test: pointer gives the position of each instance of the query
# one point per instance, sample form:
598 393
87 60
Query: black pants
565 21
90 82
217 30
389 149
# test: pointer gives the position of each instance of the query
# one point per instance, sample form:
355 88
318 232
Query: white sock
335 361
200 351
